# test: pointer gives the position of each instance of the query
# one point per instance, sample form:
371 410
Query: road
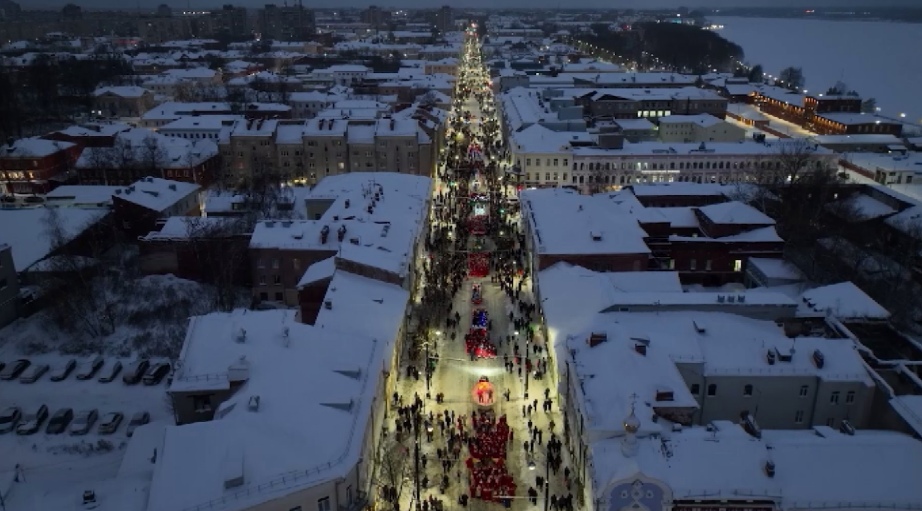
456 373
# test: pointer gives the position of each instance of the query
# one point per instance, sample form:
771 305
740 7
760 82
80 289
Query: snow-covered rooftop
814 469
25 230
32 148
776 268
82 195
383 237
843 300
315 388
565 222
725 344
381 307
155 193
143 146
735 212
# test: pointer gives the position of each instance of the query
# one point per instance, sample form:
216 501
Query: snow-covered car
34 373
9 418
110 422
111 373
14 369
59 421
83 422
156 373
137 420
62 372
135 371
89 368
32 422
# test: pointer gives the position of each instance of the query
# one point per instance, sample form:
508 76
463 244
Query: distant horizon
480 4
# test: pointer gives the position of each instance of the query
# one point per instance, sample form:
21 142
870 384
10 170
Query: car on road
111 373
89 368
9 418
83 422
59 421
135 371
156 373
14 369
34 373
62 372
110 422
32 422
137 420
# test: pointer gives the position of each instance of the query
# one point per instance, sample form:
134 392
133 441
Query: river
876 58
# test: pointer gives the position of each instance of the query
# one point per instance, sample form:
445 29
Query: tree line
51 91
683 48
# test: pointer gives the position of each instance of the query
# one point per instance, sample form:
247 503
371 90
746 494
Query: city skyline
482 4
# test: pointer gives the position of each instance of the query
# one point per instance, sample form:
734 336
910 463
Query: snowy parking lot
67 458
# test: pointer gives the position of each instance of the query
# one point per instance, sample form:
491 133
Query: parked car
83 422
135 371
32 422
110 422
111 373
61 373
89 368
59 421
9 418
156 373
138 419
34 373
14 369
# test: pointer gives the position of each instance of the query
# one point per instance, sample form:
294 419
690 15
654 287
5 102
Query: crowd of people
474 235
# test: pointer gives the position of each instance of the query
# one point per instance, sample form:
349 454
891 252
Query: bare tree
393 471
219 247
80 288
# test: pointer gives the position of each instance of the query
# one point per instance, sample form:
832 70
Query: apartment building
309 151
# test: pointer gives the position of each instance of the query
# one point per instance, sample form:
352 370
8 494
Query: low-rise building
295 411
140 153
140 206
372 220
698 128
122 101
35 165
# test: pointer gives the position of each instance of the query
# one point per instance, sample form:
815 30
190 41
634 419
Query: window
564 176
278 296
850 397
323 504
528 162
799 417
261 263
712 389
201 403
277 280
707 265
547 176
556 162
565 162
834 398
263 296
296 263
693 264
747 390
695 389
804 390
262 280
738 265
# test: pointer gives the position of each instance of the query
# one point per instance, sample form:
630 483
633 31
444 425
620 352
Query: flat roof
557 216
814 469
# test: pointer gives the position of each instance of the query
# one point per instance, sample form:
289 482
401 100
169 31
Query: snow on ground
151 315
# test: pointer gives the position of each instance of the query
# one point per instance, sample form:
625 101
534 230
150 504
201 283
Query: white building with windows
606 160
